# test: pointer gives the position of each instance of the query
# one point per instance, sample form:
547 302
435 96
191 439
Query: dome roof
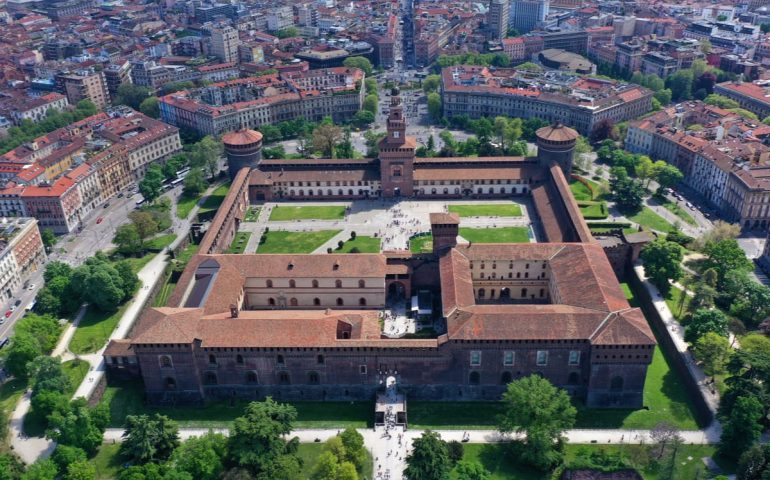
557 133
242 137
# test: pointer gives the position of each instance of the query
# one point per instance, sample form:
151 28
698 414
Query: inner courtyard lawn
325 212
496 235
421 243
240 241
487 210
362 244
647 218
278 241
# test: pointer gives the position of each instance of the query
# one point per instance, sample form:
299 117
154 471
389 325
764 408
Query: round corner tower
556 143
243 149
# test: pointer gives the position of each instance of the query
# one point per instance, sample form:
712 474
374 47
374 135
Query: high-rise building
224 44
497 17
525 15
84 85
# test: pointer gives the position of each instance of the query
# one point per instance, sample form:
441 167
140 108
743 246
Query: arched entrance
396 290
505 293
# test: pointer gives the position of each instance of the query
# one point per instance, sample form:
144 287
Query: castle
307 327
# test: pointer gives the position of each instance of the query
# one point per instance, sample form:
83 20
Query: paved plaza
394 222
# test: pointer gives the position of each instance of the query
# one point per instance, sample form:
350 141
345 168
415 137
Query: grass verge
421 243
213 201
185 205
487 210
327 212
496 235
680 212
239 242
94 329
362 244
278 241
159 243
647 218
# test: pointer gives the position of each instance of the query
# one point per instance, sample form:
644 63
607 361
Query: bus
176 182
181 173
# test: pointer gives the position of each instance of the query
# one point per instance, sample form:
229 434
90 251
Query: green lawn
252 214
186 254
363 243
76 371
127 398
165 291
496 235
159 243
94 330
327 212
107 461
10 393
500 462
581 192
421 243
278 241
487 210
647 218
593 210
674 300
239 242
453 415
309 453
185 205
213 201
680 212
138 263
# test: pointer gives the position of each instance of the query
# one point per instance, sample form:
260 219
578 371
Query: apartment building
21 253
84 85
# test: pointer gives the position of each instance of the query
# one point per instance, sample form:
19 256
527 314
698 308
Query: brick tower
397 153
556 143
445 227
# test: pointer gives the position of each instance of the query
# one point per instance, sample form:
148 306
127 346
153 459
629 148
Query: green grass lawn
327 212
599 230
647 218
593 210
239 242
165 291
252 214
363 243
94 329
138 263
309 453
581 192
487 210
421 243
127 398
159 243
680 212
213 201
674 301
186 254
107 461
76 371
277 241
496 235
10 393
185 205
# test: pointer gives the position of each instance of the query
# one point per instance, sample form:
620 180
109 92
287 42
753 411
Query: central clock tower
397 152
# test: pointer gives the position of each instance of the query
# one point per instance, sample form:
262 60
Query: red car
8 313
99 220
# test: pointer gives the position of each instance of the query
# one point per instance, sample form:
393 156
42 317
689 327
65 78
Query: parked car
31 287
17 302
99 220
8 313
689 205
107 204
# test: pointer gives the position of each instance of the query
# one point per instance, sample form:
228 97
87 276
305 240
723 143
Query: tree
712 350
370 103
150 106
662 263
49 239
79 426
663 96
173 165
43 469
665 434
362 118
127 239
434 106
704 321
206 154
131 95
757 344
82 470
720 101
65 455
44 328
287 32
371 86
535 407
429 459
152 184
468 470
627 193
355 452
680 84
431 83
668 176
344 149
749 301
754 464
145 224
149 438
256 440
703 296
742 428
604 129
325 138
194 183
23 349
202 457
47 376
726 256
359 62
720 231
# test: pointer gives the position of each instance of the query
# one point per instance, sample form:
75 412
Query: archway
505 293
396 290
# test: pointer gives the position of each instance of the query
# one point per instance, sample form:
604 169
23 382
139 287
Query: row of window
293 302
315 284
505 293
509 358
483 265
165 360
493 275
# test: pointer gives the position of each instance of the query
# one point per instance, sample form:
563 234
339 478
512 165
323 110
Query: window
170 383
574 357
212 359
506 378
320 359
542 358
482 293
269 284
271 301
508 358
474 378
361 284
315 283
312 378
316 301
340 302
362 302
283 378
475 358
251 377
523 293
362 369
210 378
165 361
292 284
338 283
616 384
239 359
279 360
293 302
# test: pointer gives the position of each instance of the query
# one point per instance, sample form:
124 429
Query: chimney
233 310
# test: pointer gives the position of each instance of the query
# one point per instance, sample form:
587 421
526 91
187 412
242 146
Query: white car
31 287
